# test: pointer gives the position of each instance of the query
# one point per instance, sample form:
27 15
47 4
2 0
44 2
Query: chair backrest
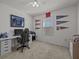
25 35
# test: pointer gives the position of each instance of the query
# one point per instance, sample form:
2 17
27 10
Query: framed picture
16 21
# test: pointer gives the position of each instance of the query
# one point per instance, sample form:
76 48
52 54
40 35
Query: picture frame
16 21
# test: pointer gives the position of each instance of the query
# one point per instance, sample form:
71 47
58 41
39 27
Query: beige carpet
40 50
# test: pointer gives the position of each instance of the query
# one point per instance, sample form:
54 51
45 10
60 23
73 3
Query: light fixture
35 3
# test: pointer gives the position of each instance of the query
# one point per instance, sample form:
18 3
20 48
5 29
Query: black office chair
24 40
33 35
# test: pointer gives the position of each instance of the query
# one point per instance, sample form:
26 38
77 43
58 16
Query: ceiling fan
35 3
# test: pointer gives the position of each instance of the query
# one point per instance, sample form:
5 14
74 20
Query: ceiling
45 5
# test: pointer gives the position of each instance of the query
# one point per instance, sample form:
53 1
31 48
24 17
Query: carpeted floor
40 50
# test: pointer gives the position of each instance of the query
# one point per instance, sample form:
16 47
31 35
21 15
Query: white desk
5 44
9 38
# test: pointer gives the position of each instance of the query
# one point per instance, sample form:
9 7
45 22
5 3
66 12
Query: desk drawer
5 43
5 48
5 51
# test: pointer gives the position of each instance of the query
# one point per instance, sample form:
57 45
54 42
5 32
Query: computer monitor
17 32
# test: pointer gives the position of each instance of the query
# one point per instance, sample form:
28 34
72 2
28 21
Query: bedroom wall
5 12
60 37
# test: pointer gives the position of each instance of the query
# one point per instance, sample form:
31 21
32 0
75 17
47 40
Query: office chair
33 35
24 40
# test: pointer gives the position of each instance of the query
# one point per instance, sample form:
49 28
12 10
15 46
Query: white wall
5 12
60 37
78 18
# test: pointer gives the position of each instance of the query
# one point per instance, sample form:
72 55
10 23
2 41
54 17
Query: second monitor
17 32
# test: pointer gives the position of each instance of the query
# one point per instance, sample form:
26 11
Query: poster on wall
16 21
48 26
48 22
37 24
48 14
49 31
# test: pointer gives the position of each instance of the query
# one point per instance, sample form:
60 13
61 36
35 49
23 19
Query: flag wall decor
61 16
61 22
61 27
37 28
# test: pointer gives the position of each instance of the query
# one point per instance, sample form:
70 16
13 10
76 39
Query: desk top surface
9 38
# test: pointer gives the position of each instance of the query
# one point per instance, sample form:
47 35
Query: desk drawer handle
5 41
6 47
5 50
6 44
